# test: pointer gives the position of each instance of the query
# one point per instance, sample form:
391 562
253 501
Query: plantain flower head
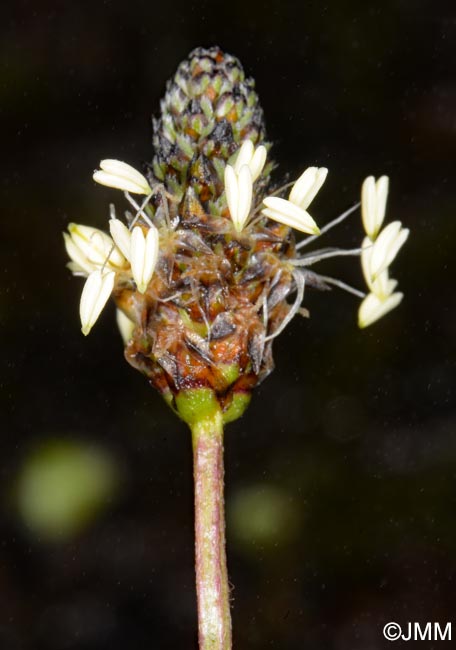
209 264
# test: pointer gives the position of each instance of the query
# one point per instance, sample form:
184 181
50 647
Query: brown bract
203 320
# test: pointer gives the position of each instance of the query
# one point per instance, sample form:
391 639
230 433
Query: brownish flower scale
202 325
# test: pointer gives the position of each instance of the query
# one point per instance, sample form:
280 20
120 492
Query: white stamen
386 247
96 292
231 191
79 260
244 156
257 163
238 190
115 173
289 214
121 236
373 204
91 248
143 256
245 196
381 285
307 186
372 308
253 158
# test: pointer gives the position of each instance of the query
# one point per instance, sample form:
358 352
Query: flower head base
206 272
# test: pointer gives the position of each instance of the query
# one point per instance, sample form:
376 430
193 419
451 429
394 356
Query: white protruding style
96 292
143 256
117 174
373 204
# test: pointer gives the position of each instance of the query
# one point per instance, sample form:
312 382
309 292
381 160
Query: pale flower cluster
239 180
131 254
100 258
379 249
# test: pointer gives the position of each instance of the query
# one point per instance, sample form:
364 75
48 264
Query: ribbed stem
214 619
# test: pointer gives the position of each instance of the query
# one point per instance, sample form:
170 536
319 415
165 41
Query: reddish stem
214 619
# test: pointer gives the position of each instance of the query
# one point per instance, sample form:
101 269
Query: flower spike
96 292
115 173
227 281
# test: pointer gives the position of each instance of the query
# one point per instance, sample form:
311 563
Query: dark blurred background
341 477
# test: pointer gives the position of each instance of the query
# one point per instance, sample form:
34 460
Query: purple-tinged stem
214 619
